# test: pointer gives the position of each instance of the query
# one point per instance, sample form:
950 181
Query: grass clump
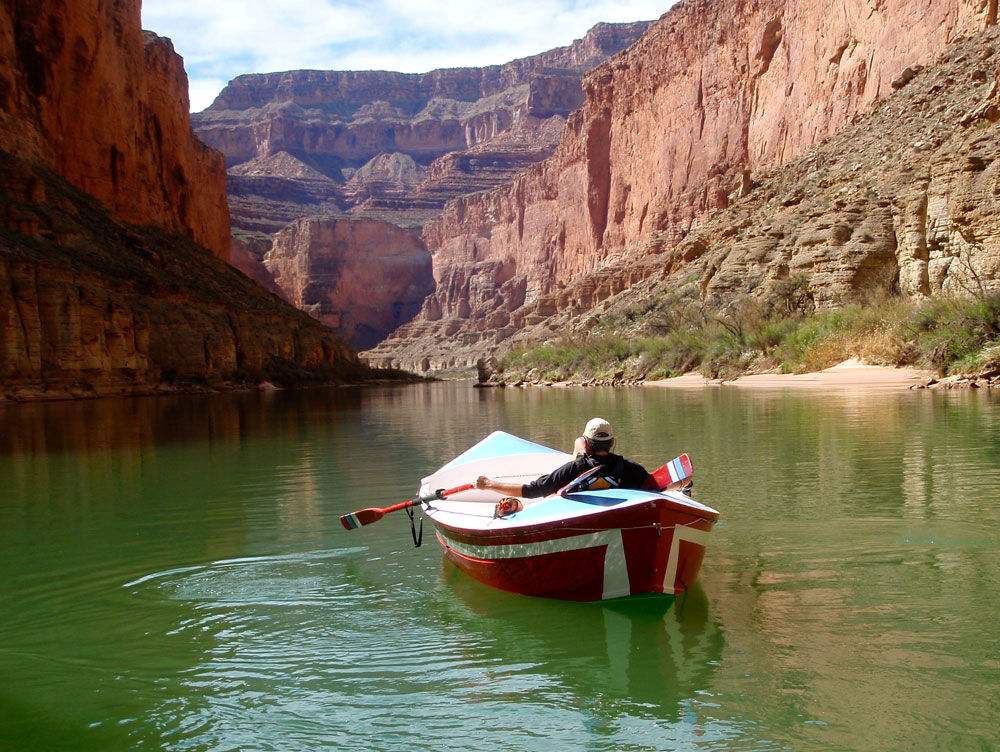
955 334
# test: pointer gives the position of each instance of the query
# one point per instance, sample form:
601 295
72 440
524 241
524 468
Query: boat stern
649 545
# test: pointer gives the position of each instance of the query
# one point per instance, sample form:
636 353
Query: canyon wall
673 131
86 92
353 116
393 146
360 277
90 306
388 147
114 225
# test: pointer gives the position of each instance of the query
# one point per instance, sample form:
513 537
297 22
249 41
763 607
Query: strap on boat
417 539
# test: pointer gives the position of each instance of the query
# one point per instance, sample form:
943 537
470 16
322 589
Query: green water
173 575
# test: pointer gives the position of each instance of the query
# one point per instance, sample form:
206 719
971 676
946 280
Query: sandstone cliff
85 92
94 134
345 118
395 146
385 146
673 130
360 277
89 306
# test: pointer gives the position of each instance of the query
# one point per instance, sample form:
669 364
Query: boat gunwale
636 514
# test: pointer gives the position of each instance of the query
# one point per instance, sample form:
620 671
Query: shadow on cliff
91 306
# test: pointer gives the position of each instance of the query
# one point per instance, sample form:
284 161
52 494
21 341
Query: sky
222 39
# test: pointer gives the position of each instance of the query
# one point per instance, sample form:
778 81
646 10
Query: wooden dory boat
579 546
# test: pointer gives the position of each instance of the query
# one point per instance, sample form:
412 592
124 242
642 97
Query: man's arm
504 489
543 486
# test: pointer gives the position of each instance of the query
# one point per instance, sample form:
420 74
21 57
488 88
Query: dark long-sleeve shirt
627 473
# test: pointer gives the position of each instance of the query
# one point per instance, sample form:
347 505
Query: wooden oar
368 516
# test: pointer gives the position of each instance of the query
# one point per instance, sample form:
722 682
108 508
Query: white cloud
225 38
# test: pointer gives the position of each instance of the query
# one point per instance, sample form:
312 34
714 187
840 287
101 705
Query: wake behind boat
579 545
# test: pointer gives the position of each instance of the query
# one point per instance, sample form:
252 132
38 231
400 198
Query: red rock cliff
360 277
103 192
384 147
86 92
715 90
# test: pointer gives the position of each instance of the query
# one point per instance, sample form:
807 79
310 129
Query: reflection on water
911 451
175 576
640 659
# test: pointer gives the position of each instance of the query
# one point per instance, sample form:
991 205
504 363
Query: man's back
625 472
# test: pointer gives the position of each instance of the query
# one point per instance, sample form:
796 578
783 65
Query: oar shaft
401 505
367 516
441 493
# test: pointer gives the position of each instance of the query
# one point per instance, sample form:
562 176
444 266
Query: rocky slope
386 146
681 126
107 205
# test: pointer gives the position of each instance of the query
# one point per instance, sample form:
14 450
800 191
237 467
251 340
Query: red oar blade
367 516
678 469
362 517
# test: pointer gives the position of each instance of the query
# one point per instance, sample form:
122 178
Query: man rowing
591 451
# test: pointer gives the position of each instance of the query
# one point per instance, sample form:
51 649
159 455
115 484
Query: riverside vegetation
957 336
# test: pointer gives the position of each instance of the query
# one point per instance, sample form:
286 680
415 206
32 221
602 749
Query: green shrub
678 335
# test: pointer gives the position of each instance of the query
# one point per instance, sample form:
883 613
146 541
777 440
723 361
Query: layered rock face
904 200
395 146
361 278
85 92
387 146
674 130
343 119
91 307
94 132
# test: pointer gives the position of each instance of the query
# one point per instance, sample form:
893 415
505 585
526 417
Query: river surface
174 575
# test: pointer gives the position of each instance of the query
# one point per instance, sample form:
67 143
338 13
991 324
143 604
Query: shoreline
84 392
851 374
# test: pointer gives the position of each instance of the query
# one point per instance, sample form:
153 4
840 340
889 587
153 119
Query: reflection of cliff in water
145 422
634 659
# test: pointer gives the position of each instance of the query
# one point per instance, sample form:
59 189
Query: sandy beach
851 374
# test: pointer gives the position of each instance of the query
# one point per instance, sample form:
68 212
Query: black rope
417 539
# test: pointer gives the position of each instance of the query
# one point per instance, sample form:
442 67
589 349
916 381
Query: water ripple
252 561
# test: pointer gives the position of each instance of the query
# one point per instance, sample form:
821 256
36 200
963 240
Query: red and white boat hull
586 546
645 547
